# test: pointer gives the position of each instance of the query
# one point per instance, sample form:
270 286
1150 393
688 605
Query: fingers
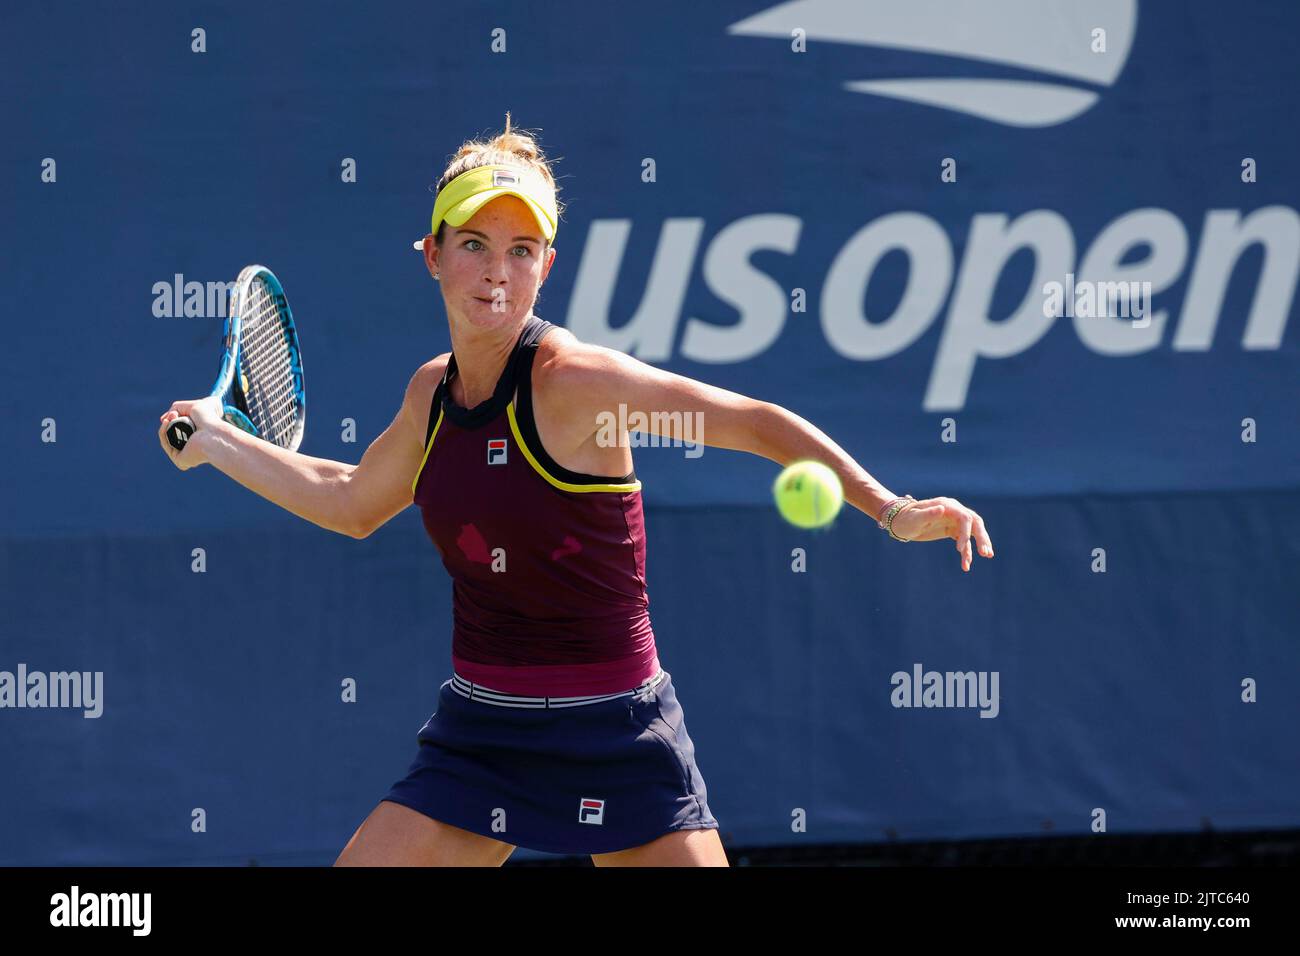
968 524
162 435
177 410
982 537
183 408
963 536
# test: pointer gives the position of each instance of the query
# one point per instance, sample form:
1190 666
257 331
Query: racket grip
179 432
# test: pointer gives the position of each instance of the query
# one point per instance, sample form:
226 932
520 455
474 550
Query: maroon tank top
547 565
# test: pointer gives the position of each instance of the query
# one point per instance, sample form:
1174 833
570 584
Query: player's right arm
348 499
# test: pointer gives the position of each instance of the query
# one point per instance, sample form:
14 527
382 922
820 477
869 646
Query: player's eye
525 248
468 241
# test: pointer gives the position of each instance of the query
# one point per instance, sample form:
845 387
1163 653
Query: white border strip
485 695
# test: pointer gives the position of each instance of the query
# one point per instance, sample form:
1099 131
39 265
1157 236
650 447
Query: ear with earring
418 246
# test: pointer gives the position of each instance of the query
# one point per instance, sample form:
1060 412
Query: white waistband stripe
486 695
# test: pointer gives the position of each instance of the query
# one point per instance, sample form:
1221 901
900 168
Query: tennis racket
260 382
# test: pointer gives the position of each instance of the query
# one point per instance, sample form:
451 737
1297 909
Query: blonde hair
513 147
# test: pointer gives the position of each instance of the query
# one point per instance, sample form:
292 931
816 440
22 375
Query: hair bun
512 146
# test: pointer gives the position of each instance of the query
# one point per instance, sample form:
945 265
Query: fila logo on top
591 810
496 451
1047 37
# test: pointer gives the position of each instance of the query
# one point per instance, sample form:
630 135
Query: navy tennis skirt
572 775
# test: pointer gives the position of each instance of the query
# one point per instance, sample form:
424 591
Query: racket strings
267 362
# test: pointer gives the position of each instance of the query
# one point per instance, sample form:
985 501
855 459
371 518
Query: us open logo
591 810
496 451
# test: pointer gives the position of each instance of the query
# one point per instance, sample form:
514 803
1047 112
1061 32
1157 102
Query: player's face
492 266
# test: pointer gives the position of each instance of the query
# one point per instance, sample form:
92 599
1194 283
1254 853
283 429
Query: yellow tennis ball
808 494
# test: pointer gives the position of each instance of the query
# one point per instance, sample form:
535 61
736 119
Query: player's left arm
602 378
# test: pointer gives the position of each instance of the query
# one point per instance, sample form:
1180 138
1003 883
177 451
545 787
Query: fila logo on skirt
496 451
591 810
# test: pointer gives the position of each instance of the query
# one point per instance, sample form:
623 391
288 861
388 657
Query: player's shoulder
428 375
420 389
565 362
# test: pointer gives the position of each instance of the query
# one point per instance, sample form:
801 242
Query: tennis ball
808 494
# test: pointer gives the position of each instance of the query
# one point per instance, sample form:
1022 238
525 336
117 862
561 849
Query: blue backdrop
799 242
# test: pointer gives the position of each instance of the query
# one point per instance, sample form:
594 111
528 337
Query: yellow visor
465 195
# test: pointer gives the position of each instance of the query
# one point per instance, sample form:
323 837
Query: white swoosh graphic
1046 36
1012 102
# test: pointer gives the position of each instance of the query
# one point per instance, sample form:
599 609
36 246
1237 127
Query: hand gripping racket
260 382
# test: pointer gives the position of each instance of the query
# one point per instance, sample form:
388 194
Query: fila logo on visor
496 451
503 177
591 810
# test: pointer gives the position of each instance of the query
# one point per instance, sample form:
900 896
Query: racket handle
179 432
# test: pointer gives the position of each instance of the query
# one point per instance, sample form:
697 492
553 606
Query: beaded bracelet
889 512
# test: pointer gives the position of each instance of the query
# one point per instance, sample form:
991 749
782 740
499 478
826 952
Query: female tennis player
558 730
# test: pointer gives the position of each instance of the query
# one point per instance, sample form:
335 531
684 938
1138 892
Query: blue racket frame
227 379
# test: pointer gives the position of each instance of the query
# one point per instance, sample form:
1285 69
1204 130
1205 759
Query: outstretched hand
935 518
